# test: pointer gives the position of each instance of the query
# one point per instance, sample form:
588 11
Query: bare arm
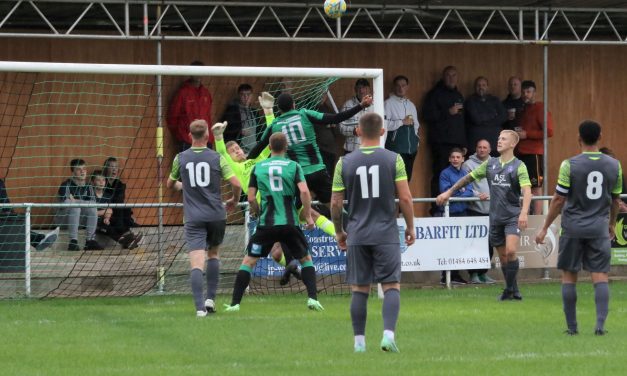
614 209
462 183
252 201
444 196
174 184
524 211
555 208
557 204
236 188
337 204
407 208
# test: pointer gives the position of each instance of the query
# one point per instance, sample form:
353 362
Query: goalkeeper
242 168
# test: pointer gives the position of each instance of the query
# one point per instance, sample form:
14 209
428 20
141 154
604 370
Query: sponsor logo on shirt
501 180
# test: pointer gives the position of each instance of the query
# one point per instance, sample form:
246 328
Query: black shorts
593 254
534 163
292 241
366 264
199 235
319 182
499 231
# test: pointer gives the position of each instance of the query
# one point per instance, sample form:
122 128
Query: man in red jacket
191 102
530 149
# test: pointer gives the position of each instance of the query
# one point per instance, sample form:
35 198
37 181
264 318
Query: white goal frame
376 74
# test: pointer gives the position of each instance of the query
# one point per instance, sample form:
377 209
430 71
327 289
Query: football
334 8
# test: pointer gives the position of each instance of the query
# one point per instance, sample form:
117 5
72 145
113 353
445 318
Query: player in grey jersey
371 177
507 177
587 195
201 171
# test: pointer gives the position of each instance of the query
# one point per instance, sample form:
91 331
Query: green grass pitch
464 331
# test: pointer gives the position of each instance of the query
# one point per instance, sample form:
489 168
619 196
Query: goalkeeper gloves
218 130
266 100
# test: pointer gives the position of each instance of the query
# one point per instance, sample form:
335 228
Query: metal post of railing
448 272
160 267
27 269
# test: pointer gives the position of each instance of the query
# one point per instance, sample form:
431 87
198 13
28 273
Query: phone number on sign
462 261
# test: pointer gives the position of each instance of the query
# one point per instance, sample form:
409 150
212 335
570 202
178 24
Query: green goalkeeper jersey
242 170
276 180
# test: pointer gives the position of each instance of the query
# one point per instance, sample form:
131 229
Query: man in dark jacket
443 113
484 116
514 104
242 119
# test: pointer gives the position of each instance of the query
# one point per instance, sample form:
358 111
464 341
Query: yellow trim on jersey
401 173
338 182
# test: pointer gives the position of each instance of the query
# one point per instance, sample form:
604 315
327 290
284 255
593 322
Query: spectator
37 240
192 101
241 119
347 128
115 229
623 202
484 115
514 104
325 137
480 189
442 112
402 124
77 190
448 178
530 149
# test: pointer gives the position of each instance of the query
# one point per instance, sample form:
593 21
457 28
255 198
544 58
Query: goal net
86 151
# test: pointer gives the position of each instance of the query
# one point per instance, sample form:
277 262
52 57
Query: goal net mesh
111 123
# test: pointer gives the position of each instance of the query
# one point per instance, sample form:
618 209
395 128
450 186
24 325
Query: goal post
51 113
376 74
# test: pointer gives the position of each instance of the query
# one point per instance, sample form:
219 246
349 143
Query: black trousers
120 223
329 160
409 159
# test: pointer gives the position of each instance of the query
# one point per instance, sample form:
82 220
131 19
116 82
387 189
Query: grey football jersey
588 181
369 176
201 175
505 181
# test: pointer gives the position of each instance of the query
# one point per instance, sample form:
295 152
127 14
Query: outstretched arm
444 196
261 145
557 204
344 115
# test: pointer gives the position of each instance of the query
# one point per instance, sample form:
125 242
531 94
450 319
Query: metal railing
29 206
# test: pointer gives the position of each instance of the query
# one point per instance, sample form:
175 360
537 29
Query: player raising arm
297 126
587 195
507 177
370 178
